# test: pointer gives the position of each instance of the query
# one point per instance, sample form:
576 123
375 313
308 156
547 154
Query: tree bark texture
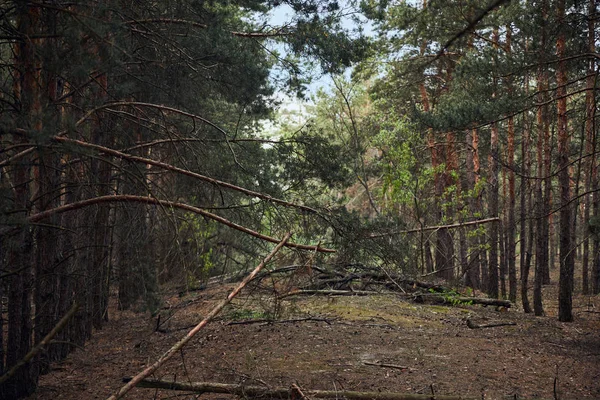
567 250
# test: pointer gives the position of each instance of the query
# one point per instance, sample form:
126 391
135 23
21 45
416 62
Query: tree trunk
20 247
541 249
492 282
590 138
567 253
525 204
510 227
473 259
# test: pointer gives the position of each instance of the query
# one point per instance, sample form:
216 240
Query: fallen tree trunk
389 280
308 292
284 393
441 299
418 297
131 383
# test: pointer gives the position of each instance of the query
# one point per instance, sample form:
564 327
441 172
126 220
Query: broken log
473 325
390 280
308 292
418 297
265 321
245 391
441 299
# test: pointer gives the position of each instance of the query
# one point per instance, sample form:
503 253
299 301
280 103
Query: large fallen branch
300 292
125 198
419 297
336 280
214 312
284 393
449 299
172 168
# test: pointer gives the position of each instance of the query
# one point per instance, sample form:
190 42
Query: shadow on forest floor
370 343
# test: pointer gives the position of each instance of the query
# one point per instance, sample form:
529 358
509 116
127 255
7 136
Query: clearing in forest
381 343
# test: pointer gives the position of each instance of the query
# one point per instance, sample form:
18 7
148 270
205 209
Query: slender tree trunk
473 259
502 252
511 224
590 110
541 249
20 247
494 229
492 282
101 171
567 253
525 205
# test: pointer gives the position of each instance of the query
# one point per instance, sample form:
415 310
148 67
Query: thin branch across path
123 198
437 227
249 392
214 312
39 347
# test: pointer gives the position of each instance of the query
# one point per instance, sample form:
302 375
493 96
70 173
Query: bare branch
214 312
434 228
182 171
57 328
165 203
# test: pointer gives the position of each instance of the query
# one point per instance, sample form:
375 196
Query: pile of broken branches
359 280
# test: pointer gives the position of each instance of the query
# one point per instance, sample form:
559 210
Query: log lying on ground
284 393
473 325
309 292
389 280
441 299
419 297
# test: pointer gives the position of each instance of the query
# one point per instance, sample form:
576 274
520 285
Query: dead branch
301 292
57 328
434 228
441 299
473 325
213 313
264 321
284 393
378 278
394 366
171 204
169 167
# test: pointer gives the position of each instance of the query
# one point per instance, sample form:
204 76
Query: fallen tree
294 392
131 383
437 298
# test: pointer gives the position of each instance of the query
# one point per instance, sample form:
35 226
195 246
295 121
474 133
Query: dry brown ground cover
434 343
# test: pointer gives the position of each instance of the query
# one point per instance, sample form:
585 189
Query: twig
214 312
378 364
437 227
473 325
33 352
297 393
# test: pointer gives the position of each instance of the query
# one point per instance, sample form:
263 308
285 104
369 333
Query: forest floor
352 343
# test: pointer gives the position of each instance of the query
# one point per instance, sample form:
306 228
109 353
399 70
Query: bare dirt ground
337 349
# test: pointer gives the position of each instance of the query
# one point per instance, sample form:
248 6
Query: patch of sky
293 110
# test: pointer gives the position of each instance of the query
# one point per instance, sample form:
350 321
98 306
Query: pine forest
299 199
